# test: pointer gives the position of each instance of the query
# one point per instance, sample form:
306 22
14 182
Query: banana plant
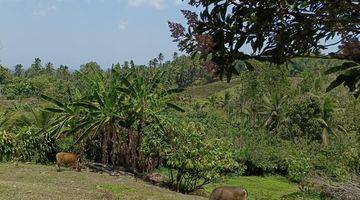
3 120
115 108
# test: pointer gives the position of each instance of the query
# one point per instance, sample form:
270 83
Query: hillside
26 181
204 91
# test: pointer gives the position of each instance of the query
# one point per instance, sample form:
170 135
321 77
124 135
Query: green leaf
55 110
79 127
87 131
342 67
266 100
57 131
249 66
157 79
98 99
175 107
322 121
338 81
86 105
52 100
124 90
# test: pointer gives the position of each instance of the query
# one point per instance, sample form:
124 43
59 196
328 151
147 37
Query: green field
204 91
37 182
28 181
267 187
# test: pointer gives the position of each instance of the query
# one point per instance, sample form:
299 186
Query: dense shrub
20 87
194 159
258 151
6 145
27 145
263 153
341 157
302 116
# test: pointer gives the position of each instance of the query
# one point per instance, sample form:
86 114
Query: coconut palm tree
327 110
272 107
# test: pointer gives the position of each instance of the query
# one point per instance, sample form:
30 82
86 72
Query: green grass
268 187
27 181
204 91
261 187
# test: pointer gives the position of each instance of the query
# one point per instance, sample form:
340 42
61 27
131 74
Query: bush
19 88
6 146
302 120
27 145
298 167
263 153
259 152
341 157
194 159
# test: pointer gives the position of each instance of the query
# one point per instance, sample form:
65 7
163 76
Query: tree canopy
276 31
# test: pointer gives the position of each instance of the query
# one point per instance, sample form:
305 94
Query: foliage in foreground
110 115
271 120
274 30
195 159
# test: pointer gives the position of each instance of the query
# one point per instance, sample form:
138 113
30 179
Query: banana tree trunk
325 137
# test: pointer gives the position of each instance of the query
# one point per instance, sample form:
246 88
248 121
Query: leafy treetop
276 30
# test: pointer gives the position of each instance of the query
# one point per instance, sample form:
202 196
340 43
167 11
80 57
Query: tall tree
18 70
35 69
90 67
155 62
63 72
175 55
49 68
4 74
126 65
132 64
275 30
151 63
160 59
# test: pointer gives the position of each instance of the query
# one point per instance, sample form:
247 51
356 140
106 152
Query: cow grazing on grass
67 159
229 193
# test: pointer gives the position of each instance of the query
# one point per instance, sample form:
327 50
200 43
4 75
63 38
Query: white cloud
158 4
122 25
44 11
178 2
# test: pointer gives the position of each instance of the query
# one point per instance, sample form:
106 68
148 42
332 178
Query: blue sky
73 32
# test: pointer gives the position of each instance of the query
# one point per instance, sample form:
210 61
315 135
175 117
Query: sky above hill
73 32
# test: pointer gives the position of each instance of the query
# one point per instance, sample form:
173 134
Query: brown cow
228 193
67 159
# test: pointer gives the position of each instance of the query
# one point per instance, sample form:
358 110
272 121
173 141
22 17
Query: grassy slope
27 181
204 91
43 182
268 187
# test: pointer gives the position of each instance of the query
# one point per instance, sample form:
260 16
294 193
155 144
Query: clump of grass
118 189
204 91
28 181
268 187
